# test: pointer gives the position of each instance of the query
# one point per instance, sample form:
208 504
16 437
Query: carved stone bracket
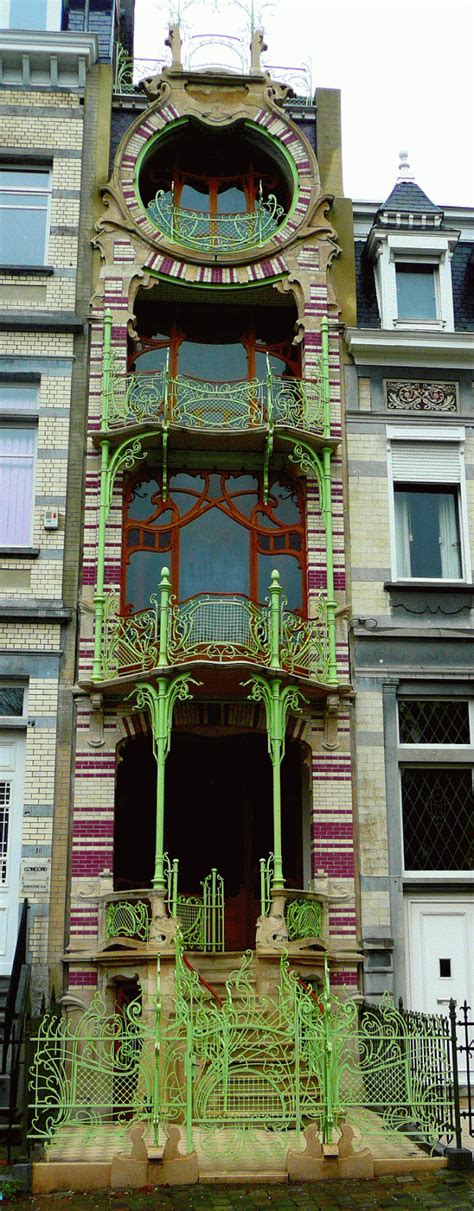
331 717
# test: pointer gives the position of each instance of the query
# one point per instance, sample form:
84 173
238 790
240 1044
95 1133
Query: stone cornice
36 58
446 350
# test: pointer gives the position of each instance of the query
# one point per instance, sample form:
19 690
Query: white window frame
18 167
22 419
422 435
433 248
433 757
53 15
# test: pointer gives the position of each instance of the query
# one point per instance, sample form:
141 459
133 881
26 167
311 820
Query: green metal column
159 701
278 704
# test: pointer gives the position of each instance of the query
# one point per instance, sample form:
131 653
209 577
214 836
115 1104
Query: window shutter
426 462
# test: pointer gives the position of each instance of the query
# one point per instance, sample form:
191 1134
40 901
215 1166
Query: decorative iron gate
276 1063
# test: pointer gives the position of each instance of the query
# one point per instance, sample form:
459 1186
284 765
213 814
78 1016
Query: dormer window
411 252
417 293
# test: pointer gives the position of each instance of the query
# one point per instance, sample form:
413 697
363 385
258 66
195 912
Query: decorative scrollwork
219 629
304 643
304 919
128 919
130 643
215 233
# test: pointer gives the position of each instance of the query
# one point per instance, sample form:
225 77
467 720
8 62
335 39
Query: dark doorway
218 813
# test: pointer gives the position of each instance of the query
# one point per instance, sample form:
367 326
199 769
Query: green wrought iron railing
128 918
200 918
304 918
304 913
272 1063
238 406
207 232
213 628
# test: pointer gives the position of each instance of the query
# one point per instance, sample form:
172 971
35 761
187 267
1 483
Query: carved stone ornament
406 395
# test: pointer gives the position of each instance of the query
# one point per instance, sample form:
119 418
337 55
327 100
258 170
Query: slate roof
406 195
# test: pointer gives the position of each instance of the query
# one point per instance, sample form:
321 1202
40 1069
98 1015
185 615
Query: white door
441 950
12 750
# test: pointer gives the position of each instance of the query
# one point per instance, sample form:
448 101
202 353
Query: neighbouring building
49 114
410 448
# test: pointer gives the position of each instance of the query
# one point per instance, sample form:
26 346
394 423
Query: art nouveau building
212 782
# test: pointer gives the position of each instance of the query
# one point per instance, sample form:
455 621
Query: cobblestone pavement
447 1191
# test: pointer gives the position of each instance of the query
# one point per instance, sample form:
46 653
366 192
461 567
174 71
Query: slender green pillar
159 701
278 704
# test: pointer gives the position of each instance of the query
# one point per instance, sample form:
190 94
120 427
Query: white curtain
449 544
16 485
402 534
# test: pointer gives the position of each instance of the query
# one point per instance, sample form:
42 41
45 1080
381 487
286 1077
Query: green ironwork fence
128 918
214 628
202 231
237 406
274 1062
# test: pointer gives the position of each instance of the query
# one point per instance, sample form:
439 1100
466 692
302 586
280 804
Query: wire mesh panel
128 919
219 629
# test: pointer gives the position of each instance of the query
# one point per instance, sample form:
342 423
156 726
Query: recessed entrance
219 813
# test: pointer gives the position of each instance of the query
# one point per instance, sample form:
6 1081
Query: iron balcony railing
206 232
213 628
239 406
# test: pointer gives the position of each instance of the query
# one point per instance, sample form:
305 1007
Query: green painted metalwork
200 918
216 233
320 466
213 628
256 1061
128 919
304 919
266 876
191 403
218 629
159 700
278 704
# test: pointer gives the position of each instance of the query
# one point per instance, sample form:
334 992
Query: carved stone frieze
408 395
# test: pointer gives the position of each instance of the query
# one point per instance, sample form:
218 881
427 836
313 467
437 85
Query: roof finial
404 173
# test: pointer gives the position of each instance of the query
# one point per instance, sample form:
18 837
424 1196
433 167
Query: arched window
215 534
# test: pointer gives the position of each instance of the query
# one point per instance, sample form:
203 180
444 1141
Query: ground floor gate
242 1061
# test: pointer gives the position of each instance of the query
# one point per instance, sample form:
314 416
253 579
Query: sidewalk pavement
447 1191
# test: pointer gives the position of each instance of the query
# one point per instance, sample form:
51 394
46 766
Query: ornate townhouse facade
410 475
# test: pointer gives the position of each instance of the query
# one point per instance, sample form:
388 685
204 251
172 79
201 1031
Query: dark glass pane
276 364
11 700
143 577
244 491
153 359
438 819
287 507
443 722
185 491
427 521
22 237
214 556
141 505
416 292
193 198
290 578
213 362
231 201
